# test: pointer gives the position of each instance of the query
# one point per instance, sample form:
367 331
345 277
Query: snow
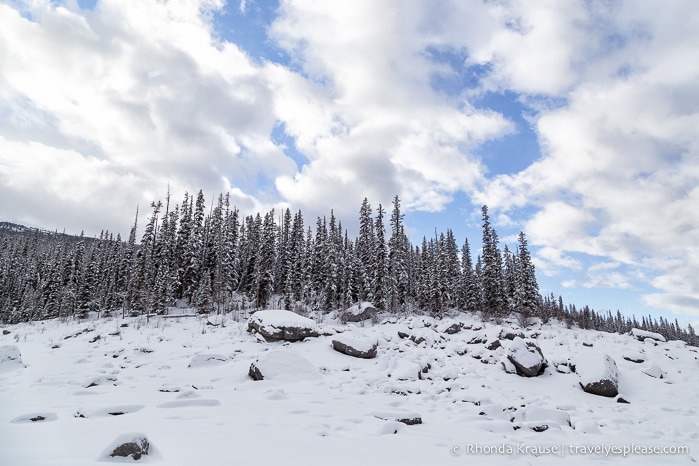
346 413
281 318
357 342
10 358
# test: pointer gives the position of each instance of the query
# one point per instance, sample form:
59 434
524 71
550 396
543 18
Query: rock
10 358
636 357
282 325
359 312
527 358
622 399
283 365
598 374
509 334
588 344
353 346
134 445
409 419
6 332
493 345
478 339
451 329
642 335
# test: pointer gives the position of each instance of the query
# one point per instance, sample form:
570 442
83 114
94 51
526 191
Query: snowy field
428 397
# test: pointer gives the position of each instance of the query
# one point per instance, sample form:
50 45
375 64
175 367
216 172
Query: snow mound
283 366
10 358
653 370
282 325
34 417
206 360
598 374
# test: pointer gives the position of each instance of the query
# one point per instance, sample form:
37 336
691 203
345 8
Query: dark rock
526 357
255 373
96 338
137 448
508 334
356 348
598 375
276 325
359 313
403 335
540 428
410 421
588 344
37 418
477 339
622 399
454 328
493 345
6 332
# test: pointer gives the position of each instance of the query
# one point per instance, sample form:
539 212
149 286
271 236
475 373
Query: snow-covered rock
635 356
653 370
10 358
641 335
353 345
283 365
598 374
526 357
359 312
282 325
130 447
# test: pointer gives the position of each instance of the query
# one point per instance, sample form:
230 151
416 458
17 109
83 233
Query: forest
223 262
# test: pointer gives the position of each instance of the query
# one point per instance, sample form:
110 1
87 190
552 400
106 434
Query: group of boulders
598 373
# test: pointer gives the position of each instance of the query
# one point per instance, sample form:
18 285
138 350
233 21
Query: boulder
359 312
5 331
450 328
134 445
409 419
351 345
282 325
283 365
598 374
636 357
642 335
10 358
493 345
509 334
526 357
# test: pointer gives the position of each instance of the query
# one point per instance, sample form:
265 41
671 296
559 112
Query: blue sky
574 121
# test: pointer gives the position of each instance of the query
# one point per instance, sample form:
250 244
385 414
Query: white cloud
621 168
369 119
127 99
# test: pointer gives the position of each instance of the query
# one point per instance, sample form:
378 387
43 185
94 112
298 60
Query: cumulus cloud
121 101
620 170
368 116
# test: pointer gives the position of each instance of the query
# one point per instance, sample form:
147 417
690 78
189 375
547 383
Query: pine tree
380 281
491 274
397 261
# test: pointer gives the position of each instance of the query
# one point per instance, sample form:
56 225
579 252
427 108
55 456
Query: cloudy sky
576 122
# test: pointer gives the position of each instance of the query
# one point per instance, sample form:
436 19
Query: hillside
185 384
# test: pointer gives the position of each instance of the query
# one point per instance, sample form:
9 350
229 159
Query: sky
575 122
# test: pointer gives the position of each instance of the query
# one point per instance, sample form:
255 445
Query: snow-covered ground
185 385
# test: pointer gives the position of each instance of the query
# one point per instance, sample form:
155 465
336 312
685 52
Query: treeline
219 261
